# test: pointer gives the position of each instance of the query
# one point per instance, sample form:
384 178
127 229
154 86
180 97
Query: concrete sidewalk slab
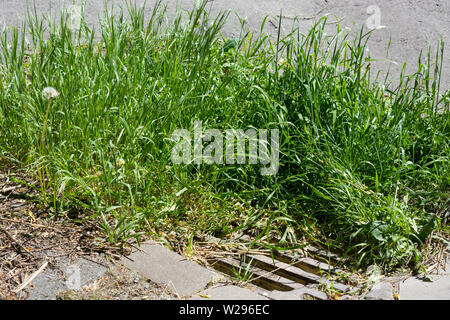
297 294
381 291
227 292
417 289
68 275
159 264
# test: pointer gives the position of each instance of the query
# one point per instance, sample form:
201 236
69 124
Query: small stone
373 270
381 291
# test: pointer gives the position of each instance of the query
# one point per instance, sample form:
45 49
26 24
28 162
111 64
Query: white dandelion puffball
120 162
50 93
281 62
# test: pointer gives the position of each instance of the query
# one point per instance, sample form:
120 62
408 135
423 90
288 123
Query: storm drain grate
282 275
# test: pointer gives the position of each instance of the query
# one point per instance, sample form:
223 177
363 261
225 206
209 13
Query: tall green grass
364 167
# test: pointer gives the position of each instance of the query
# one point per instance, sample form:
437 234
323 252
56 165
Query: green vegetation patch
363 167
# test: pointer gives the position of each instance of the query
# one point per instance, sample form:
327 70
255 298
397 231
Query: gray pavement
227 292
410 24
418 289
157 263
65 275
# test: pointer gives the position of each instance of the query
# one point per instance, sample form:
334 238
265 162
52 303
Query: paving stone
46 285
297 294
227 292
161 265
381 291
417 289
81 272
67 275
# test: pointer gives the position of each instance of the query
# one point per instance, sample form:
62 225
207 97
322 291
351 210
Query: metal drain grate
284 276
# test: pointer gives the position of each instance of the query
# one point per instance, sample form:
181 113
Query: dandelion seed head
120 162
50 93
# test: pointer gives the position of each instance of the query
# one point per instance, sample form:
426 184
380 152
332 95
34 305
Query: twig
428 270
10 237
31 224
5 190
31 278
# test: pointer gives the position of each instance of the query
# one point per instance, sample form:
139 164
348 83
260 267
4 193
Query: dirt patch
32 238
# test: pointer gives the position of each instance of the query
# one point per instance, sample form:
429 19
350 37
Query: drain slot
272 274
281 272
308 264
260 278
323 255
282 269
291 272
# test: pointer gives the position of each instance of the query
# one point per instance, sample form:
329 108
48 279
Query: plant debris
31 237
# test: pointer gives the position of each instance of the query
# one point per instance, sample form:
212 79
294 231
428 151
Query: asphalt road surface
410 25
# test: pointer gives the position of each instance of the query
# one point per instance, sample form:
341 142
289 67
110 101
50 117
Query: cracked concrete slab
381 291
159 264
67 275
